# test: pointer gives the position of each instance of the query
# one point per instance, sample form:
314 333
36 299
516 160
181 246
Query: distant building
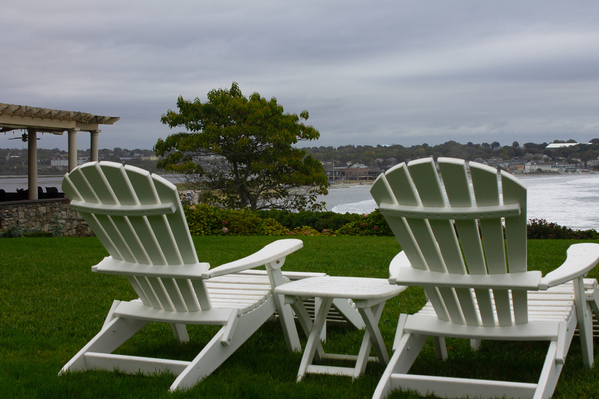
553 146
64 163
551 167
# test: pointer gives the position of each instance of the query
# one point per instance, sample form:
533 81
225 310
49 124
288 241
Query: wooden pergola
33 120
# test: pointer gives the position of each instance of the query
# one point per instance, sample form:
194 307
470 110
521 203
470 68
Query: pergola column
32 162
72 149
93 147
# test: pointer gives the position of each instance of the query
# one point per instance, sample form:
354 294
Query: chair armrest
270 253
425 278
110 265
581 258
400 260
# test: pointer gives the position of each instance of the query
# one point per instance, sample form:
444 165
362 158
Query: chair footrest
461 387
133 364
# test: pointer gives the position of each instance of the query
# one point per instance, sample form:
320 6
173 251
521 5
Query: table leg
314 338
372 336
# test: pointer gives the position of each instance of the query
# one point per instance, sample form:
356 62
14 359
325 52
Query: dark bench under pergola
33 120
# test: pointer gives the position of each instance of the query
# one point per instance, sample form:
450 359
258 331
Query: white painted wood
369 294
133 364
455 213
139 219
341 287
478 278
123 210
526 280
459 387
581 258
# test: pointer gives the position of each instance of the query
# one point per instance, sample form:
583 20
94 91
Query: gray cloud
380 72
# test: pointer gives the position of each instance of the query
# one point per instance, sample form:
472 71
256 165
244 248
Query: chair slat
146 235
188 295
455 179
120 184
101 234
166 241
486 192
515 228
112 231
144 187
382 193
149 292
161 294
139 290
130 239
168 193
84 190
97 182
174 294
199 287
442 251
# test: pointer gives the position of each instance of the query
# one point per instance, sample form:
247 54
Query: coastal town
352 163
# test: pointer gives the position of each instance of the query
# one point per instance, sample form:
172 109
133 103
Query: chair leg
585 320
113 334
407 351
180 332
441 348
549 374
215 353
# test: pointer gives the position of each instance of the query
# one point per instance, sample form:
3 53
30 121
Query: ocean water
568 200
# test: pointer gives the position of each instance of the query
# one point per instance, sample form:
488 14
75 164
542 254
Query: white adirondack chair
139 219
455 246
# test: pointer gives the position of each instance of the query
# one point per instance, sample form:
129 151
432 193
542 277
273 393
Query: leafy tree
250 142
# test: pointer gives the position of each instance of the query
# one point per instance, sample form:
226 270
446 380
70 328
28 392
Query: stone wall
46 215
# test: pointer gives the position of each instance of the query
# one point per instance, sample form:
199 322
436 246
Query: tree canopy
240 152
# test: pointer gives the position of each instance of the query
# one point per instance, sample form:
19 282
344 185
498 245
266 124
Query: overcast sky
377 72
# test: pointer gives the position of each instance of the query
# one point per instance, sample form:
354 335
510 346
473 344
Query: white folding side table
369 296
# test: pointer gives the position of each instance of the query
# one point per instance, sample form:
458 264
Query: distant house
356 172
63 163
333 174
593 163
550 167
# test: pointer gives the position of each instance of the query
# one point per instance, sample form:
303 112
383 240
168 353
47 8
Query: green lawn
51 305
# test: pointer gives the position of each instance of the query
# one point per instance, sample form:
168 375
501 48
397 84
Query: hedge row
207 220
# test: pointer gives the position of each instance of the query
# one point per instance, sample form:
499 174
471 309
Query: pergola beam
45 120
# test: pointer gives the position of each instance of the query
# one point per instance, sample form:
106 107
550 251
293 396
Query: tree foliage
239 150
381 155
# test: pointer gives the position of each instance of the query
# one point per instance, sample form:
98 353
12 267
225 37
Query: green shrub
317 220
373 224
204 220
12 232
541 229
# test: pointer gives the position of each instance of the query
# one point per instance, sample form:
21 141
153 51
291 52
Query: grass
51 305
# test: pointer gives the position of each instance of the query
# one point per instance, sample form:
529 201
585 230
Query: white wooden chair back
464 225
139 219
